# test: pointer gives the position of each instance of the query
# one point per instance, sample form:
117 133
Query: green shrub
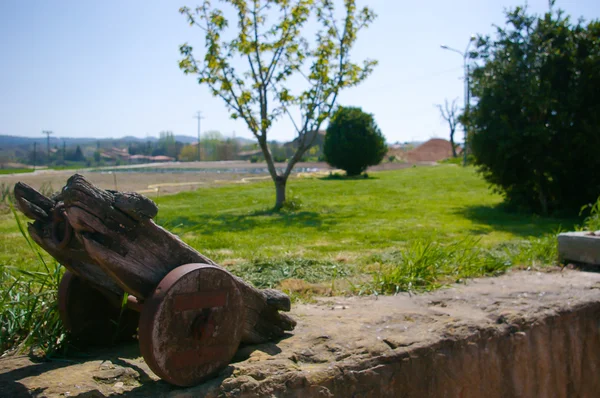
534 126
353 141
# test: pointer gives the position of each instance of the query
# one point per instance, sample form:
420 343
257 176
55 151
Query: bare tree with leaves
251 70
449 112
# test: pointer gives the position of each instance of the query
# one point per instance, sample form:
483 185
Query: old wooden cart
126 273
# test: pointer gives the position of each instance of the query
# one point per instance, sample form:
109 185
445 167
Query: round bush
353 141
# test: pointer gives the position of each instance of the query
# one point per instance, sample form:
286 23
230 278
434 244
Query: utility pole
465 56
34 151
48 133
199 117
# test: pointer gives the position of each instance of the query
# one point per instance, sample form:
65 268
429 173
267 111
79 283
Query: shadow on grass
216 223
499 218
343 177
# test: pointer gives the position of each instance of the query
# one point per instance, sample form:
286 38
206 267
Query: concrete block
581 247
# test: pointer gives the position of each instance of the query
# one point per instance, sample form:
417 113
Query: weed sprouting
6 194
29 318
592 222
426 264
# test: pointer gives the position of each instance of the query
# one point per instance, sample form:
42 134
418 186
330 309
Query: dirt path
527 333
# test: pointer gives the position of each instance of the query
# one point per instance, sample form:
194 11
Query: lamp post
465 56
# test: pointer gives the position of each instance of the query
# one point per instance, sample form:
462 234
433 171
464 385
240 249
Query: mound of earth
434 150
524 334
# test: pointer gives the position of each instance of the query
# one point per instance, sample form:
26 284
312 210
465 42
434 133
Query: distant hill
12 141
434 150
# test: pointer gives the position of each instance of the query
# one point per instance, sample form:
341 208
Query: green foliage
75 156
28 310
269 38
29 318
535 125
592 222
425 264
167 145
353 141
213 147
188 153
6 193
536 252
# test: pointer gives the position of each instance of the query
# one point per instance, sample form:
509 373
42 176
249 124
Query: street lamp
465 56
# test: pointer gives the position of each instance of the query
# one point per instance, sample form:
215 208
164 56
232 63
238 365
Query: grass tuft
427 265
592 222
29 318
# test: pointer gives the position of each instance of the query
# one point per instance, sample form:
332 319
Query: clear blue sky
109 68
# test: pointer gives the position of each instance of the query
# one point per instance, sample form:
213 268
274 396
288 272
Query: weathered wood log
73 257
109 239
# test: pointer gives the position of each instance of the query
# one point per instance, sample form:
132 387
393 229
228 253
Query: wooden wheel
90 317
192 325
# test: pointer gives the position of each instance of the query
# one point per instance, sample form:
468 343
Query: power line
417 78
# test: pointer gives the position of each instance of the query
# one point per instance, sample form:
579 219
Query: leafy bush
353 141
534 128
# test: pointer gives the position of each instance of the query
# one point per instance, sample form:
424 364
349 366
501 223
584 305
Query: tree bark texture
280 183
109 239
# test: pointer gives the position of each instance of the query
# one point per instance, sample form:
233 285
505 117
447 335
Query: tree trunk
108 238
280 191
454 154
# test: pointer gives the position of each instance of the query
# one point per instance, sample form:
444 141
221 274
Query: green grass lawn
413 229
15 171
355 227
333 220
347 218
